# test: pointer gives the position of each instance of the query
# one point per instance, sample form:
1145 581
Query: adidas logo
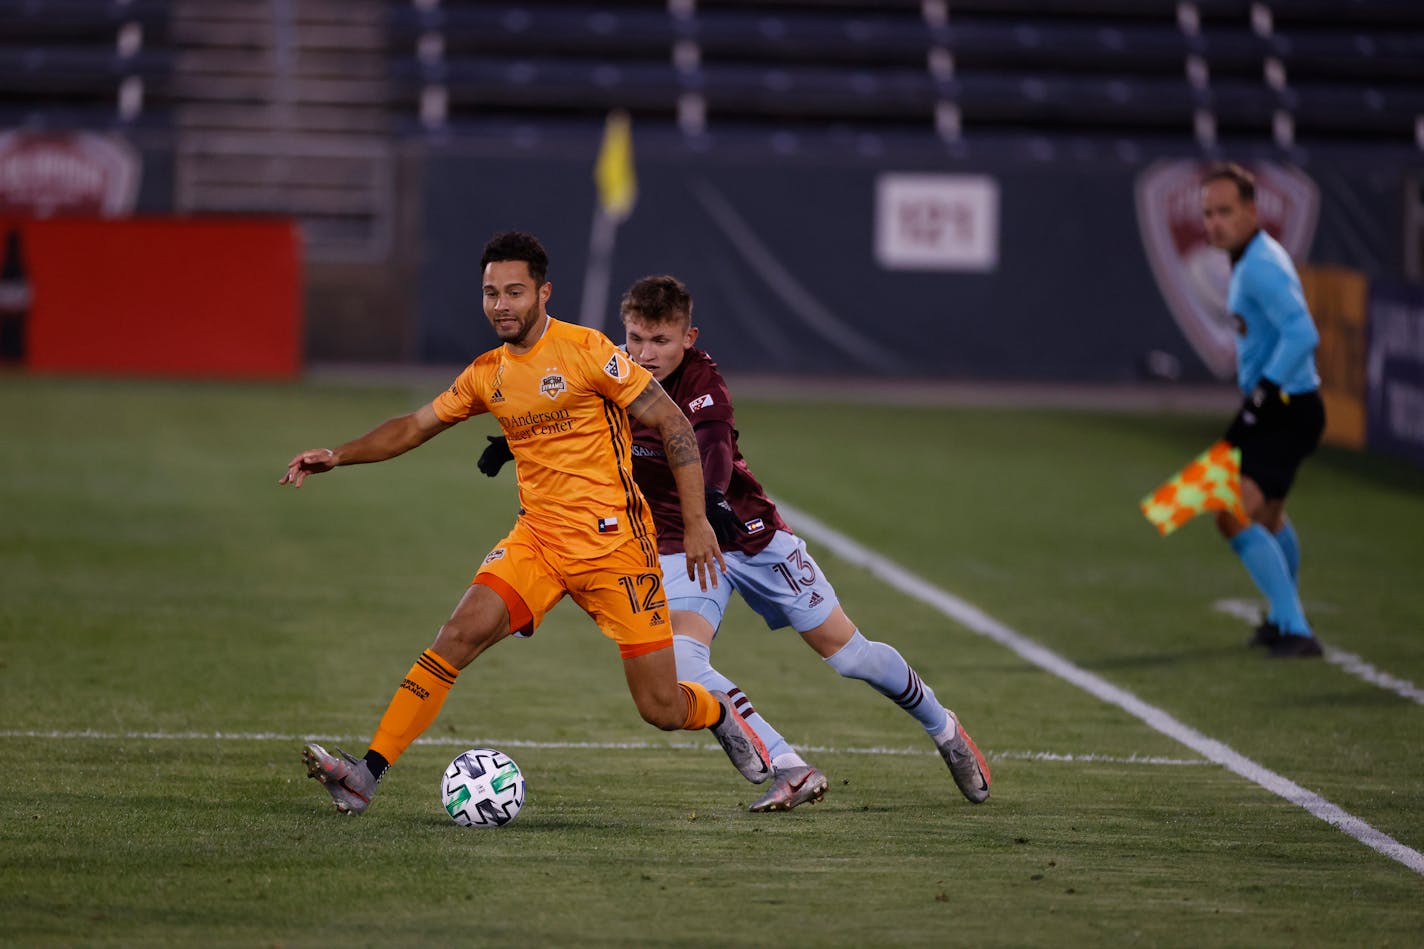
657 620
498 396
816 599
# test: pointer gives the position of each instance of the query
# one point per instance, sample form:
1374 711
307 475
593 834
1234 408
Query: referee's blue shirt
1278 337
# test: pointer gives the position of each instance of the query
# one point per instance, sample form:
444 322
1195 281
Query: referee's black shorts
1273 450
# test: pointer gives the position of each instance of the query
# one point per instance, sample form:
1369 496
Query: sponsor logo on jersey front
607 525
703 401
553 385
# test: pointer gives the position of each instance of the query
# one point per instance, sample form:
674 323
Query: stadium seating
84 64
1335 69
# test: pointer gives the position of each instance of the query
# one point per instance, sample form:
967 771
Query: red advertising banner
183 297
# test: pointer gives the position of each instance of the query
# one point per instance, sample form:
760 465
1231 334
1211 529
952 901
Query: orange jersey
563 407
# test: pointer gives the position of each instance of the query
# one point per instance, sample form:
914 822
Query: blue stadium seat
62 65
1336 67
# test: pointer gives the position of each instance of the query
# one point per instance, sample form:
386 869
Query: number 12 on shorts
644 591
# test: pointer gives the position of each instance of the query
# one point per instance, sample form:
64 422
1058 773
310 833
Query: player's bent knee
665 717
692 658
460 643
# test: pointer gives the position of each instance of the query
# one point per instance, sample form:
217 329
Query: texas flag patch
607 525
701 402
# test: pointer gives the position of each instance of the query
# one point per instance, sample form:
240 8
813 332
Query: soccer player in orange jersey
562 395
765 562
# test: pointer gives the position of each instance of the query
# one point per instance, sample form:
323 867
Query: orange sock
414 706
702 709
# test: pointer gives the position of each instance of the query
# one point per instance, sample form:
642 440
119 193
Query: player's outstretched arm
654 409
392 437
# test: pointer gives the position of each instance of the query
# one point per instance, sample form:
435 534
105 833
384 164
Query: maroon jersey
701 392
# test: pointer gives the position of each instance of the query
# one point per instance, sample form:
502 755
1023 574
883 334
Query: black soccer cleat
1267 634
1291 646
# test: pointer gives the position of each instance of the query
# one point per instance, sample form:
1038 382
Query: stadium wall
1022 264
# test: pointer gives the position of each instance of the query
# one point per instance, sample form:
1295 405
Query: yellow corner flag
613 172
1210 482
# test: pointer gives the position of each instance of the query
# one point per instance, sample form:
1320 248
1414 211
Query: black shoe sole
1296 647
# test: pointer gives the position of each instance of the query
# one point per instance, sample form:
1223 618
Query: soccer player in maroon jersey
765 562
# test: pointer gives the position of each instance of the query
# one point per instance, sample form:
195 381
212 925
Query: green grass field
173 626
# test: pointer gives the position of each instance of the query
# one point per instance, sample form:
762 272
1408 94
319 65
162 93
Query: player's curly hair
517 245
660 299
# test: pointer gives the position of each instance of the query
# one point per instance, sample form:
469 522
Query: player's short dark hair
1230 171
517 245
661 299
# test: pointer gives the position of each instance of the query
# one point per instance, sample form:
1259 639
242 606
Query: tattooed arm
654 409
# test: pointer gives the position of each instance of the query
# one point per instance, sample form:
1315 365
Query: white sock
950 724
788 760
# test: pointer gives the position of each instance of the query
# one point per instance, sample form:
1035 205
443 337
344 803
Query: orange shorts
619 590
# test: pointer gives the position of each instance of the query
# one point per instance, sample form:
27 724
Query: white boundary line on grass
1351 663
89 734
93 735
985 625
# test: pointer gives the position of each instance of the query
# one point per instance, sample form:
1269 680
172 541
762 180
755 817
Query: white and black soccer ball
482 788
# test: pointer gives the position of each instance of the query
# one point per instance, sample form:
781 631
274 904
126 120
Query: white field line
985 625
1351 663
91 735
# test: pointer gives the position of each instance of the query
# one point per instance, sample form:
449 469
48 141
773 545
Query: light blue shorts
782 583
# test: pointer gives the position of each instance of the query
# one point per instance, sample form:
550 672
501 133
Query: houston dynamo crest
1191 274
552 385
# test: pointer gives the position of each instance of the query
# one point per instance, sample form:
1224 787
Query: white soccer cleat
348 781
792 786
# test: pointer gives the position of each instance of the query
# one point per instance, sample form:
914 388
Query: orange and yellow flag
1210 482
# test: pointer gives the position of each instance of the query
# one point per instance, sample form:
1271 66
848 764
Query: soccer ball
482 788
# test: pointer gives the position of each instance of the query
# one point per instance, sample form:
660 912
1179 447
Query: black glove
1264 402
493 458
725 523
